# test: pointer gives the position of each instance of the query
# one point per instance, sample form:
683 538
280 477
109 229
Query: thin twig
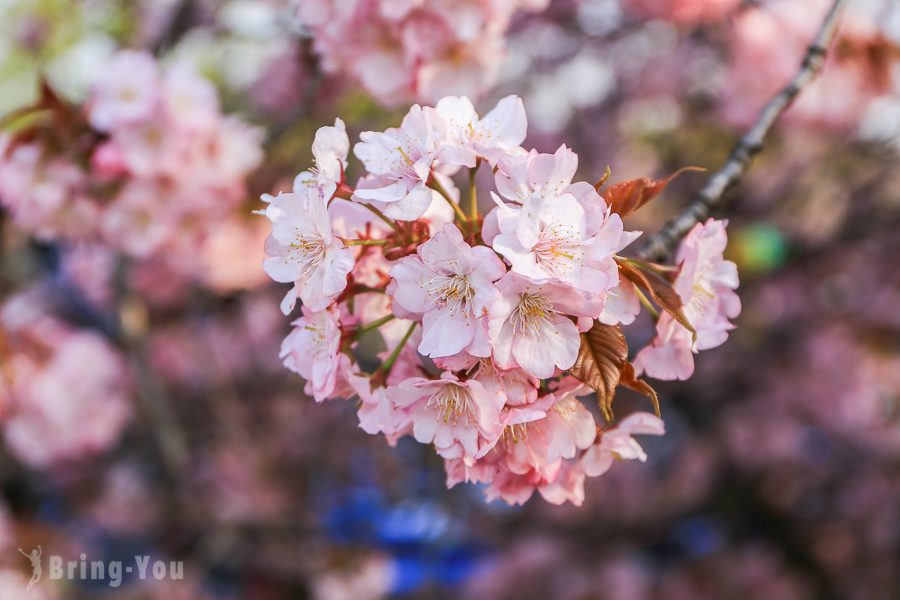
660 245
180 21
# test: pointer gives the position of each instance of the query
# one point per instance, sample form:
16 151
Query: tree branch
660 245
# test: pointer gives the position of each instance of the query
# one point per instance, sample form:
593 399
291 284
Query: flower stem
436 186
388 364
380 215
364 329
365 242
473 193
646 302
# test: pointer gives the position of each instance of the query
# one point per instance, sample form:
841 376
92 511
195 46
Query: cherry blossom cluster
64 392
148 167
770 39
413 49
493 326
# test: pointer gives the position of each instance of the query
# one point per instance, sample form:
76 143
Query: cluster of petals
64 392
706 283
768 41
480 319
162 168
402 50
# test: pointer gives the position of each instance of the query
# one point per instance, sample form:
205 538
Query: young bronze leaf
602 355
626 197
630 381
659 289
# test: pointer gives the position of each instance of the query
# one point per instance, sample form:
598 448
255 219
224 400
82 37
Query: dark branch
660 245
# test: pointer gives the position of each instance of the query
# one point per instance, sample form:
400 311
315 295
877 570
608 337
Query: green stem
473 193
646 302
380 215
364 329
365 242
436 186
388 364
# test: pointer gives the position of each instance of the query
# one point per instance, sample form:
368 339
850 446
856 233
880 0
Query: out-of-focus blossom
157 167
65 391
419 50
683 11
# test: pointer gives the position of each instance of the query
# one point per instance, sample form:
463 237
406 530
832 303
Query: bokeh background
779 476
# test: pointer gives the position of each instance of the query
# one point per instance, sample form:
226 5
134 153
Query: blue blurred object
698 536
427 546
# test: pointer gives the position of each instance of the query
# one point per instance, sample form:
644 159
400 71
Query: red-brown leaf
601 357
659 289
630 381
626 197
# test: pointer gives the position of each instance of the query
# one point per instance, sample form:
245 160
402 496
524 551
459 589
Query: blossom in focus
618 443
459 417
499 132
532 328
706 284
330 148
303 250
311 349
451 285
493 331
401 161
548 236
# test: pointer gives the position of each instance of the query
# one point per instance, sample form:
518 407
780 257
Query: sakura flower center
453 293
406 160
308 251
451 403
531 313
515 433
557 249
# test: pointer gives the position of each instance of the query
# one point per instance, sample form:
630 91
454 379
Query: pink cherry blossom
499 132
401 161
459 417
497 305
706 284
618 443
303 250
330 148
532 328
546 236
413 49
538 451
451 285
66 390
312 351
128 92
378 412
